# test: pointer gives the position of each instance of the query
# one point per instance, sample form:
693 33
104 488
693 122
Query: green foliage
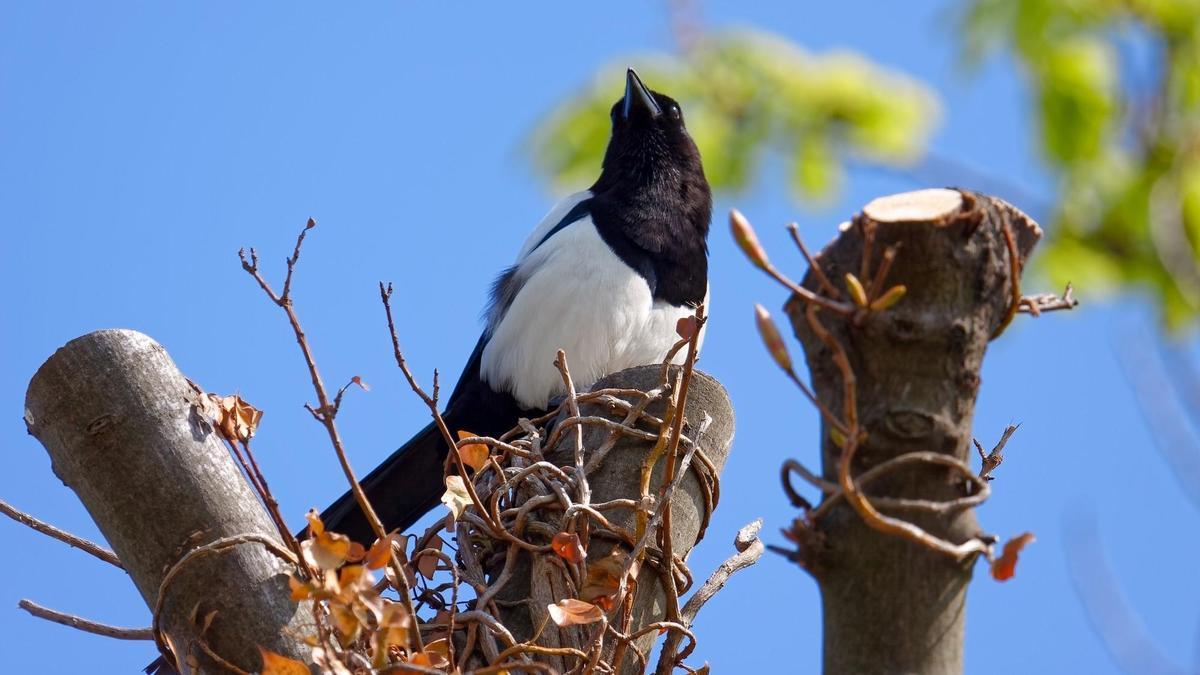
744 93
1125 144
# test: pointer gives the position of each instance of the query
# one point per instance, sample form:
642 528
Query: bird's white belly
580 297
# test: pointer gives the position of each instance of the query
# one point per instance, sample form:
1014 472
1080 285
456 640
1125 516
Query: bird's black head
652 203
649 143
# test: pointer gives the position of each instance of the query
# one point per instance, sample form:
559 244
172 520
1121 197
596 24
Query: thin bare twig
326 413
61 535
992 460
749 550
822 279
85 625
385 295
1035 305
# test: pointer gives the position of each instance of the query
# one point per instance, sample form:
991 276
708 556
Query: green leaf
744 93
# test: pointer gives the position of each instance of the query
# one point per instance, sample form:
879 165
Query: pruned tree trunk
125 430
890 605
617 477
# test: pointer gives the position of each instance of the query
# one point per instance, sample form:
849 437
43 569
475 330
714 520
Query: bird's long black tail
401 489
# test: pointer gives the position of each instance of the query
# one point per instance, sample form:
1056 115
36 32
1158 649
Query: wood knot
909 424
99 424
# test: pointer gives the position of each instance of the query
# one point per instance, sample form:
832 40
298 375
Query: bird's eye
674 111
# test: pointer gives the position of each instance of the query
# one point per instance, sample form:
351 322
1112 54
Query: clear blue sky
143 143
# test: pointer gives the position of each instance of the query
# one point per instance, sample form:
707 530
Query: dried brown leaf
1004 567
568 547
474 455
378 555
394 626
236 420
346 622
278 664
326 551
685 328
301 590
603 579
456 498
572 612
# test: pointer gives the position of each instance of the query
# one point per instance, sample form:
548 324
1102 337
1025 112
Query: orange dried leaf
354 578
604 579
427 565
747 240
456 498
1004 567
359 381
394 625
301 590
326 551
771 338
572 612
356 552
379 554
235 419
347 623
568 547
328 662
474 455
315 526
435 655
278 664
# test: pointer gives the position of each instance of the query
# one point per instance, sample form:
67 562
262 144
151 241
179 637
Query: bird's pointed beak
637 97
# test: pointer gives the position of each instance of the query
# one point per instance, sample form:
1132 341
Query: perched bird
605 276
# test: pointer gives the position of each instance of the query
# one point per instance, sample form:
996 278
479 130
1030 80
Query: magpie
605 276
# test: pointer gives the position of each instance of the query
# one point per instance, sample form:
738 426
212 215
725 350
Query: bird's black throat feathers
652 204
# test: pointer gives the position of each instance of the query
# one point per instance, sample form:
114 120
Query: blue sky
141 144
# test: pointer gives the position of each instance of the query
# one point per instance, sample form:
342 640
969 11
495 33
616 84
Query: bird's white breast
575 295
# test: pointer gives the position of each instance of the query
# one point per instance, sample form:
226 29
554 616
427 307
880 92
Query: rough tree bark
125 431
891 606
617 477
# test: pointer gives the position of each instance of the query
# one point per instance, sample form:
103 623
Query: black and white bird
605 276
